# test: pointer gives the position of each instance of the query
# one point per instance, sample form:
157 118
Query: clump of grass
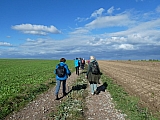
69 109
128 104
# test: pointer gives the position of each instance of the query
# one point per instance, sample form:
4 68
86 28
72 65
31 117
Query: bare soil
139 78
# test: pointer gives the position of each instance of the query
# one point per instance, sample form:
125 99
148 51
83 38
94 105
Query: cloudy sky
107 29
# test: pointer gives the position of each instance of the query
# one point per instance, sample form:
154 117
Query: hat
92 58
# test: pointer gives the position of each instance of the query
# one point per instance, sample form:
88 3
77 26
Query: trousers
77 70
58 85
93 87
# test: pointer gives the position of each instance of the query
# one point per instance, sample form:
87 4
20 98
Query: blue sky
106 29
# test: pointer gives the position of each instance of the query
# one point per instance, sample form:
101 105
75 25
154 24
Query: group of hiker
79 63
92 75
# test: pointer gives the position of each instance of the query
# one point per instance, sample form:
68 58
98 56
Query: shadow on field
102 87
79 87
83 72
75 88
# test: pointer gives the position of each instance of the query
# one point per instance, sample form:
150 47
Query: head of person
63 60
92 58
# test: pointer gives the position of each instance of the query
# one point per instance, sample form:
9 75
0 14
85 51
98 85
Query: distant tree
150 59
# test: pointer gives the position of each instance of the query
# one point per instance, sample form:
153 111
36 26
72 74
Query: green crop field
22 79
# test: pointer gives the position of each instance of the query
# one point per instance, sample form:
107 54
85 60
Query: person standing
82 63
62 72
77 65
93 74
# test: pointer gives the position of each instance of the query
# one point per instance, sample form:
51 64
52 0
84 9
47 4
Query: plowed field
137 78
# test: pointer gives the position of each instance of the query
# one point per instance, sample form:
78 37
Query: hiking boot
96 92
57 97
64 94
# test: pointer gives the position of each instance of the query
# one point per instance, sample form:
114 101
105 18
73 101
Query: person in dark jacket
92 77
63 79
82 63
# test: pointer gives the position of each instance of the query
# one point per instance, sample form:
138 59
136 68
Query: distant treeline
147 60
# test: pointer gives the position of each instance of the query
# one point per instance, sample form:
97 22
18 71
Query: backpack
94 68
61 71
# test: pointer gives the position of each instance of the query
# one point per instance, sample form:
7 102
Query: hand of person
86 77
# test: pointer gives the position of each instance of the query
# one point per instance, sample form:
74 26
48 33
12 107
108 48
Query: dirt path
100 107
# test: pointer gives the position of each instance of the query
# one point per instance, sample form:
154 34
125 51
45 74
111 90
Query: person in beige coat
93 74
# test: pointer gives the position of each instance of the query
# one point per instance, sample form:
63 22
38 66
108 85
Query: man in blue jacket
77 64
62 72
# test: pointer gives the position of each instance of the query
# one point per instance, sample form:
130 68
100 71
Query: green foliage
128 104
22 79
151 60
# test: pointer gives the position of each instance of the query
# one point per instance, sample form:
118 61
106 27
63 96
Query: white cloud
109 21
110 10
79 19
8 36
35 32
126 47
95 14
36 29
95 42
136 35
98 12
5 44
79 31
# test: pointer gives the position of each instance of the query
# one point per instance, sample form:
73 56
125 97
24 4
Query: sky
106 29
